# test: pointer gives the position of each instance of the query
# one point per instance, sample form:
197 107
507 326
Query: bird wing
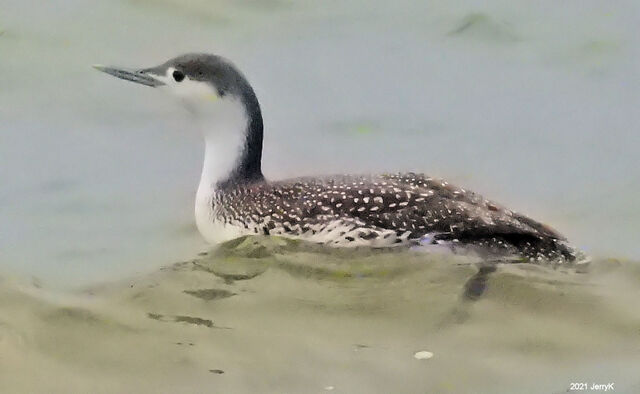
408 203
463 212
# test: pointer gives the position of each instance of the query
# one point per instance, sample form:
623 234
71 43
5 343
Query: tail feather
524 247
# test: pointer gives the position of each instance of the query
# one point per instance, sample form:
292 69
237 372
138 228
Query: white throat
224 125
223 121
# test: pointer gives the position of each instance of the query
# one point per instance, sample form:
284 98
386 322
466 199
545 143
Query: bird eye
178 75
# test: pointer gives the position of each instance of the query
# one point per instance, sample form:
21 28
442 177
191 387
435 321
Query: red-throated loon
235 199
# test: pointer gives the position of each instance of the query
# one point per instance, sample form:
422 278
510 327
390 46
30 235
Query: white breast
212 230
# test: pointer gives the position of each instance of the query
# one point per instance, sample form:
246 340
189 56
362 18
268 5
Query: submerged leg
477 284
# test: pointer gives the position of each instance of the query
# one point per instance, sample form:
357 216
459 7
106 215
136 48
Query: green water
270 315
534 105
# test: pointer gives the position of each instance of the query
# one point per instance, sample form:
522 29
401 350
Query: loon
234 198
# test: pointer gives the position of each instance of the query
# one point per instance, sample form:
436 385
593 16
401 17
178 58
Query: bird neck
232 131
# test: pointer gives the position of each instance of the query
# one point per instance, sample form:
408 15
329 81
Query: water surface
266 315
535 106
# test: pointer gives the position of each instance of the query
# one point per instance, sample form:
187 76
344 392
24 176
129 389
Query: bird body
378 211
235 199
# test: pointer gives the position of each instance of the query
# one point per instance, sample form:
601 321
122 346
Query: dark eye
178 75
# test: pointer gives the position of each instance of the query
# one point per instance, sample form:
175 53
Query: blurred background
534 105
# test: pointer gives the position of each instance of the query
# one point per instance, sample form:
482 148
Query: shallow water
267 315
532 105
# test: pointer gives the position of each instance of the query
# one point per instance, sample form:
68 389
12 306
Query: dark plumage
387 210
